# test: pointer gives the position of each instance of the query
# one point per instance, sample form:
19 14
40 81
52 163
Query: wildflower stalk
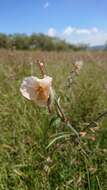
41 67
60 110
64 118
49 105
42 70
75 72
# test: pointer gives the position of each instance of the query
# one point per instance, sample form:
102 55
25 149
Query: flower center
42 93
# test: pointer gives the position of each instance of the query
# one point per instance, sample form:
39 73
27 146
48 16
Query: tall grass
26 130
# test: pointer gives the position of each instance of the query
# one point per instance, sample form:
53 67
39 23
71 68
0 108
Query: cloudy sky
76 21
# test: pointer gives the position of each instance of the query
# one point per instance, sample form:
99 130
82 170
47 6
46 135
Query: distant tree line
36 41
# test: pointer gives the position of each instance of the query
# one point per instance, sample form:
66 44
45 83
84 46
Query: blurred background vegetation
36 41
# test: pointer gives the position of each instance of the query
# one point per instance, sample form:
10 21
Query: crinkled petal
46 81
27 87
37 90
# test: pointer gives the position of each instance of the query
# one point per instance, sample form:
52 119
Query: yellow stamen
42 93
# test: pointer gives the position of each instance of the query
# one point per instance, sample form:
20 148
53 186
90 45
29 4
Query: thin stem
87 171
99 185
60 111
98 118
64 118
49 105
74 130
88 176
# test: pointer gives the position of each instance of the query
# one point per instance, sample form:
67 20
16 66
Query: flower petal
27 87
46 81
37 90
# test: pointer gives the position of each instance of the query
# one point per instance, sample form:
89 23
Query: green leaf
55 121
58 138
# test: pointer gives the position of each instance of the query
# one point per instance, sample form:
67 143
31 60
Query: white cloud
46 5
69 30
95 30
86 31
52 32
83 31
98 38
92 36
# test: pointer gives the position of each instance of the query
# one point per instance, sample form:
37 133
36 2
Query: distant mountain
97 47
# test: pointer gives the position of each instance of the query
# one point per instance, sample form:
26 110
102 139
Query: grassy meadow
26 129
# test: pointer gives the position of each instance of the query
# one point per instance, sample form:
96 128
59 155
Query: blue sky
77 21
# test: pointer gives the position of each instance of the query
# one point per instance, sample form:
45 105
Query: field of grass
26 129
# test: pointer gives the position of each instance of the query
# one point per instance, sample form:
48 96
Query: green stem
98 183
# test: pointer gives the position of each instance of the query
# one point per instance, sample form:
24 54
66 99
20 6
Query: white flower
37 90
78 65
